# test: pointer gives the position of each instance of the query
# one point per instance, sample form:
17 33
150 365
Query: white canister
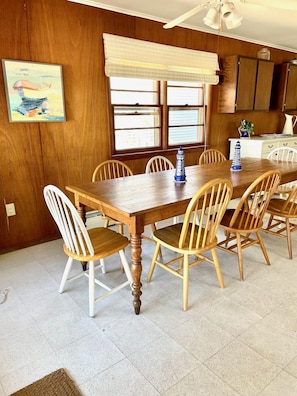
264 53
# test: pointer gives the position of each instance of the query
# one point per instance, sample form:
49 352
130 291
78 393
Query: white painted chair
85 245
287 154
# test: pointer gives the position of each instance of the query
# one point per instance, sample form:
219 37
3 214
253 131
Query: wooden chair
282 212
210 156
196 235
158 163
111 169
247 218
287 154
85 245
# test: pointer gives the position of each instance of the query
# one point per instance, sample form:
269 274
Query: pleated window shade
127 57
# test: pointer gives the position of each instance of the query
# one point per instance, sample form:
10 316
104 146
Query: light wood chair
85 245
210 156
111 169
282 212
158 163
196 235
247 218
287 154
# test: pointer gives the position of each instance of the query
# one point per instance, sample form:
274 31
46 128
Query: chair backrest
252 206
111 169
157 164
211 156
71 226
204 214
283 154
287 154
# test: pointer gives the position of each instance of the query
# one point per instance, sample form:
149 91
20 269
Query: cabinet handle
270 145
285 144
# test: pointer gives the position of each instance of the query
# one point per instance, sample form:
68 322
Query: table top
156 193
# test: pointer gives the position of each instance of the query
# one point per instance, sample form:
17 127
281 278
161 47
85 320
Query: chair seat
170 236
285 188
277 205
105 243
239 223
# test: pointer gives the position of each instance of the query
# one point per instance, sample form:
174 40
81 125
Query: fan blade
187 15
282 5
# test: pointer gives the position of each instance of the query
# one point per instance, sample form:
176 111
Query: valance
127 57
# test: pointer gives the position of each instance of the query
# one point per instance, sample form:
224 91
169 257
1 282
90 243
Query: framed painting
34 91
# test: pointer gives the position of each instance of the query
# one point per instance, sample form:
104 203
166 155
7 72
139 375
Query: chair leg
239 254
261 243
65 274
269 221
185 282
91 289
121 229
125 266
154 228
102 266
153 263
289 239
217 267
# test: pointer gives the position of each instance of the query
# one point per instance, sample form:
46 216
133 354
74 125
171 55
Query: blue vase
243 133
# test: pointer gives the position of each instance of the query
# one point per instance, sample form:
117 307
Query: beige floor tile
202 382
242 368
283 385
164 363
122 379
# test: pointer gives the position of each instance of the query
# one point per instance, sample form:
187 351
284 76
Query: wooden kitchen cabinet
246 84
285 87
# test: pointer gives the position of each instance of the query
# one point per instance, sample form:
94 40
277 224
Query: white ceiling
270 23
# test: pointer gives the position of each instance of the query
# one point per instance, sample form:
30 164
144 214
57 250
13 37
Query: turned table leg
136 269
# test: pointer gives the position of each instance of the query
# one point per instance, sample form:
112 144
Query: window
154 115
185 103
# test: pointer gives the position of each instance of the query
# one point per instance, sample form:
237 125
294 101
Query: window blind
127 57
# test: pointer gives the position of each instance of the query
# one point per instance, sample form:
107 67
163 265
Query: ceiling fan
225 11
221 10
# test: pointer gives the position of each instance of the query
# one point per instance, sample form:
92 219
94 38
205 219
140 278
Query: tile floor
241 340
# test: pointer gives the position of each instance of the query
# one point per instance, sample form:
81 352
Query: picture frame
34 91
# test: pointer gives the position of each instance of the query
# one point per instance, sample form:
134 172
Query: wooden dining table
144 199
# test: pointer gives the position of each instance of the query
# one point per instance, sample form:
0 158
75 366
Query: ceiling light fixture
223 12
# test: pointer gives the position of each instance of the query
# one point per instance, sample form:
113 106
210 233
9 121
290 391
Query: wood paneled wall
36 154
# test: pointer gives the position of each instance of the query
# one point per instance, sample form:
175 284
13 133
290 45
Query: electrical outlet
10 209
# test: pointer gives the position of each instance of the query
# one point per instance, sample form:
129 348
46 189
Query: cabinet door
246 83
263 85
291 94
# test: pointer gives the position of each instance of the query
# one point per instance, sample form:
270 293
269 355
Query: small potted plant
246 129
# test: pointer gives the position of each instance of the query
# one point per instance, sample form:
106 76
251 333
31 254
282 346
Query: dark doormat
57 383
